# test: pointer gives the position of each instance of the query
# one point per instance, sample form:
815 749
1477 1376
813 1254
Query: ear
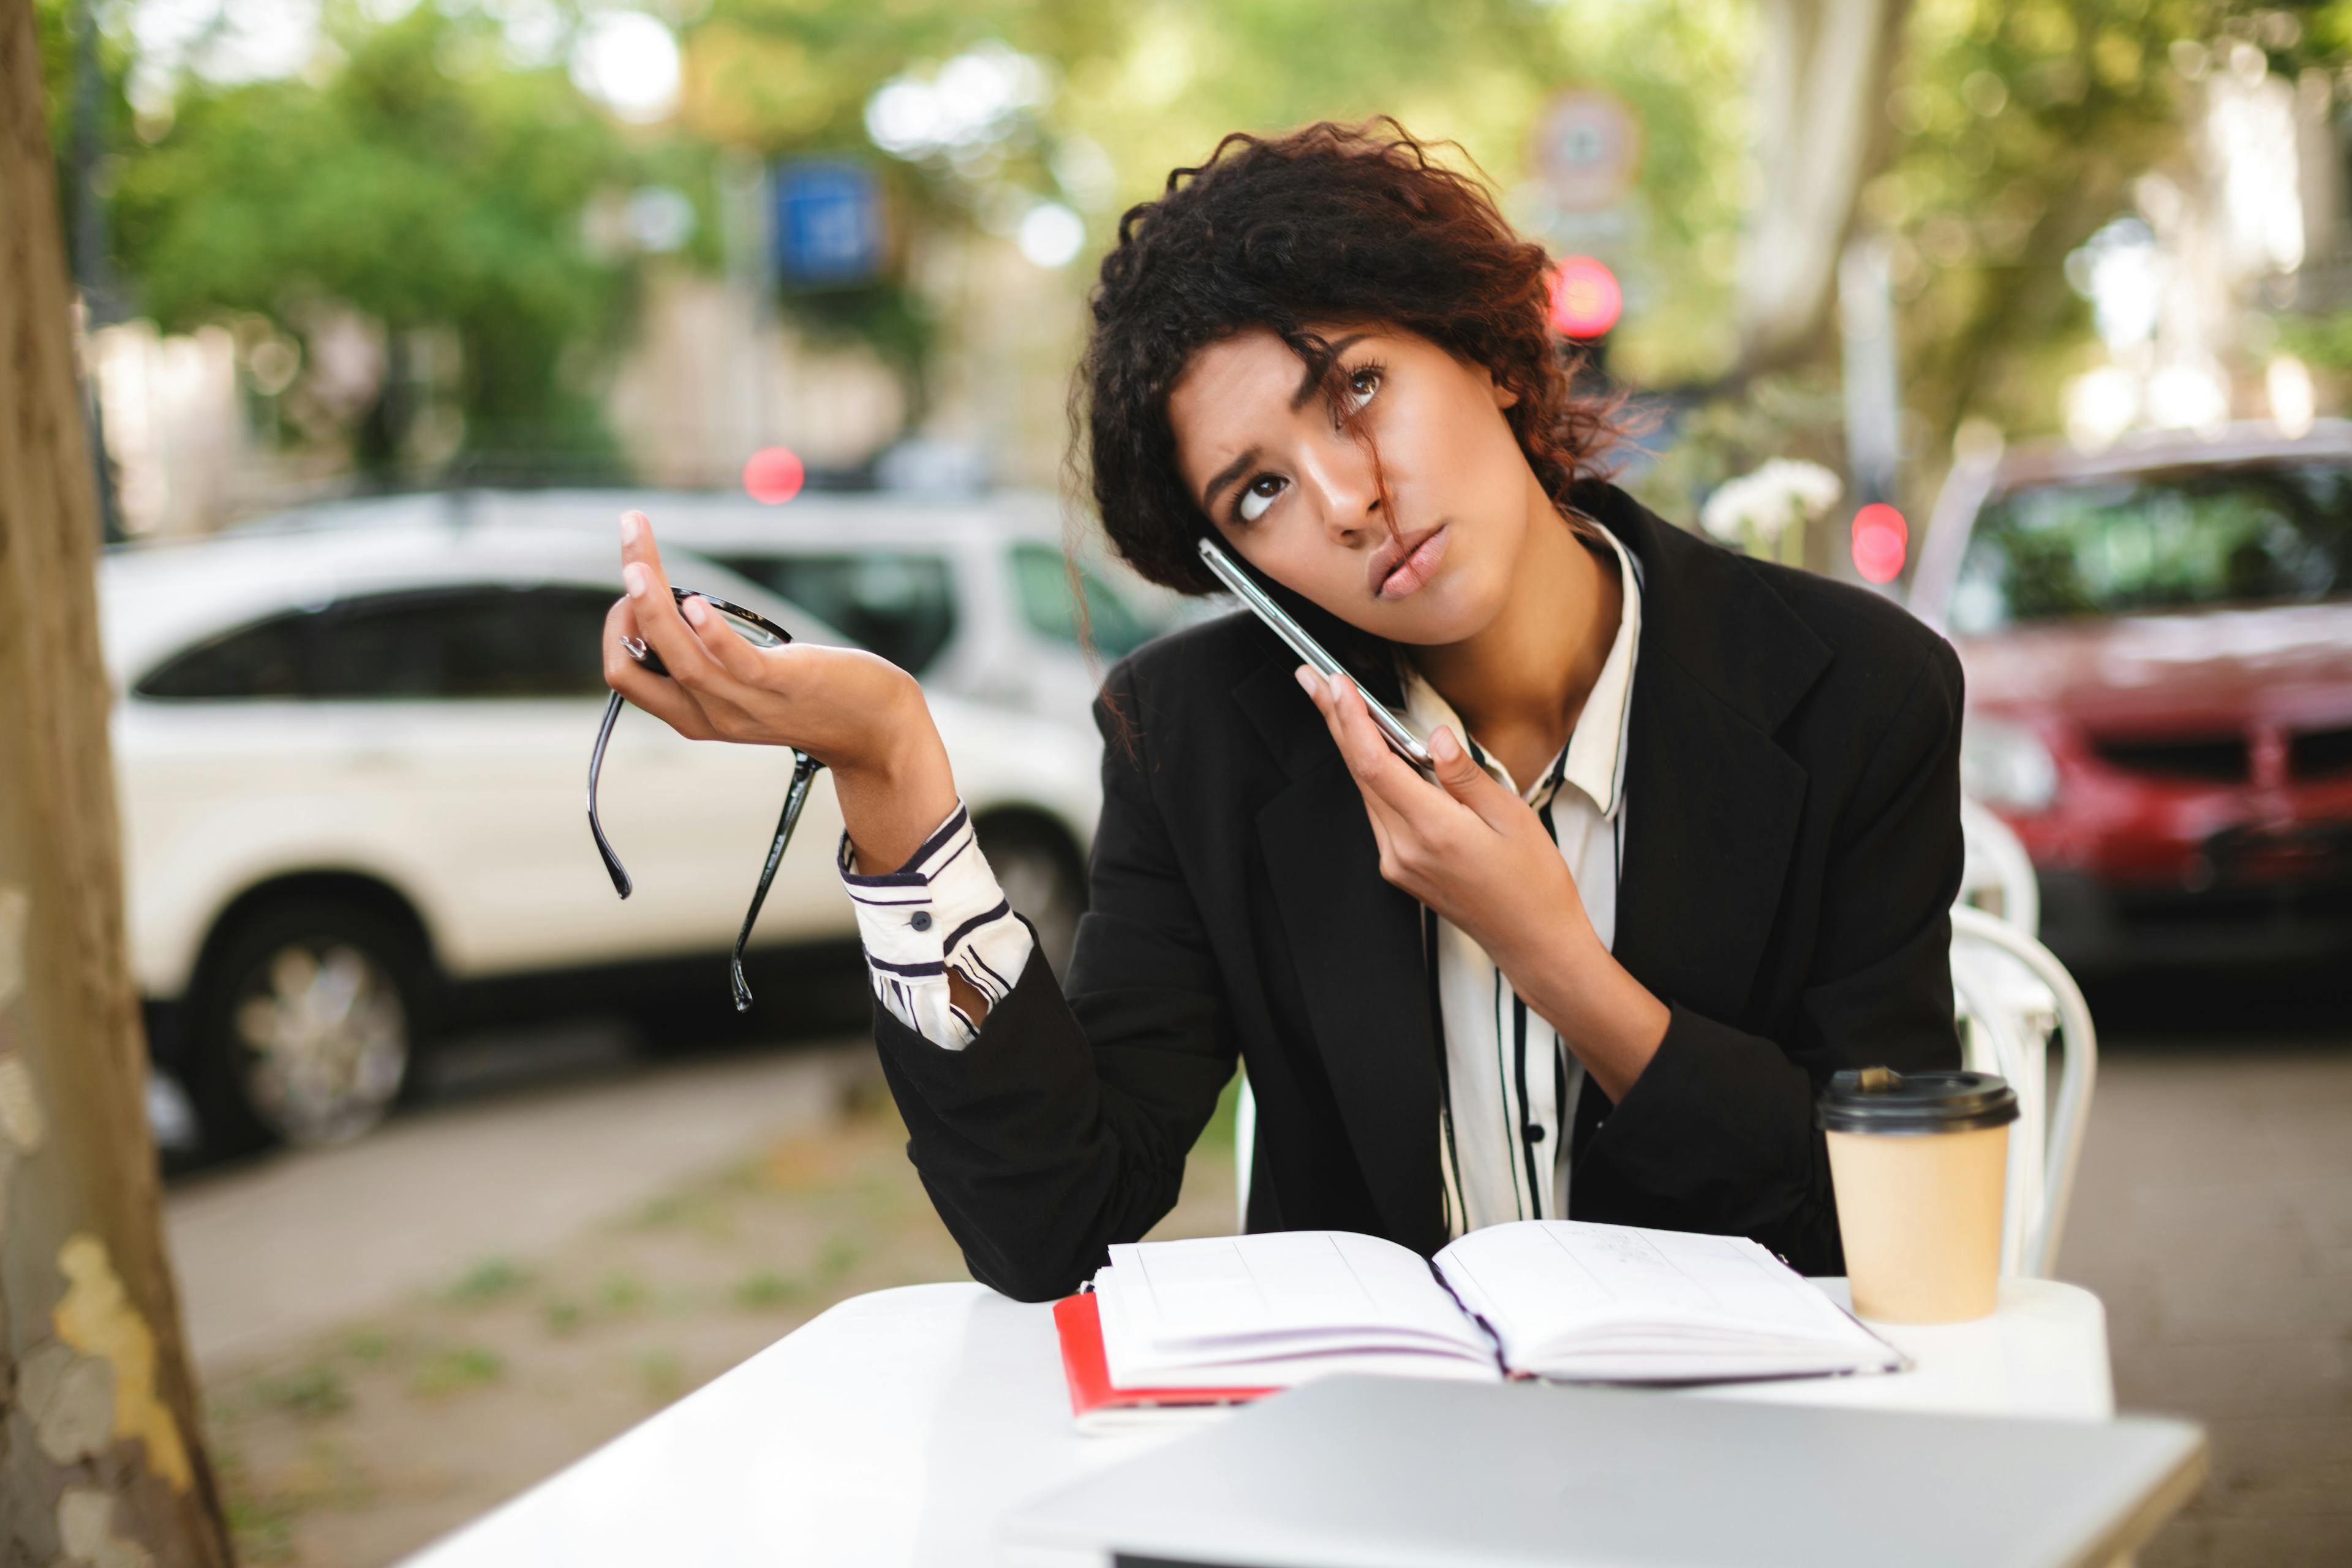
1503 396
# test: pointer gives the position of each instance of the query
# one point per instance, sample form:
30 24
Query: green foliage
2325 341
423 183
2020 126
1478 73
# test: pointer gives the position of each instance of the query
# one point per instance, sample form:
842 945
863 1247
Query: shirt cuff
942 910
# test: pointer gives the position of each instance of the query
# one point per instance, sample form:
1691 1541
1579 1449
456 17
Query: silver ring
634 647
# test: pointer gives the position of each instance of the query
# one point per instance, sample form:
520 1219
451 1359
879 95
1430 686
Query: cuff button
921 919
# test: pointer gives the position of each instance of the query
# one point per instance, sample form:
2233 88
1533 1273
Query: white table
897 1426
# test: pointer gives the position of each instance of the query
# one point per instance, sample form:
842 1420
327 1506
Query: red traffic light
774 476
1585 299
1880 540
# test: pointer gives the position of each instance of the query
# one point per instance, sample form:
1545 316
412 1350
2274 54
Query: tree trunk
100 1455
1822 131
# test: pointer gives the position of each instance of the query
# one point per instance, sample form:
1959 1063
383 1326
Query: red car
2158 646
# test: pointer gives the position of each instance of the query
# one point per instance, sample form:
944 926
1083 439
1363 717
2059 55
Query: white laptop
1373 1472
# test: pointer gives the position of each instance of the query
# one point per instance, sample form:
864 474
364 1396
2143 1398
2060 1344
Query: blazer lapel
1356 939
1713 804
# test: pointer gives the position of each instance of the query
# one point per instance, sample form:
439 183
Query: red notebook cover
1078 1322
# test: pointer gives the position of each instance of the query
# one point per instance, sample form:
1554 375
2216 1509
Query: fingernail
1443 745
1307 681
633 576
696 611
630 525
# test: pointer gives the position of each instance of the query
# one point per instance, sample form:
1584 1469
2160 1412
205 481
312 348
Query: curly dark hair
1329 224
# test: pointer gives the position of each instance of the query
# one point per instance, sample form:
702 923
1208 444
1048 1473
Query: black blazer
1791 853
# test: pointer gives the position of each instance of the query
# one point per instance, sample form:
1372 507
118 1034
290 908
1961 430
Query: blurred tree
1822 71
2023 124
790 79
431 186
1478 73
101 1457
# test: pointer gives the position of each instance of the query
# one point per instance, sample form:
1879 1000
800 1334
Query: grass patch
562 1316
768 1290
662 1374
838 1257
695 1209
488 1280
456 1370
311 1391
622 1293
367 1346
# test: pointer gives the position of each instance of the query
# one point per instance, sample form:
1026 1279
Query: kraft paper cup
1920 1163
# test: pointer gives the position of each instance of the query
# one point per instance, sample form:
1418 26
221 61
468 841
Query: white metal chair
1245 1147
1998 877
2001 977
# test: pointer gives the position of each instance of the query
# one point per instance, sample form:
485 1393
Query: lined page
1555 1288
1274 1309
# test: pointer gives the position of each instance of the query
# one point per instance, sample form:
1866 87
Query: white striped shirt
940 910
1510 1083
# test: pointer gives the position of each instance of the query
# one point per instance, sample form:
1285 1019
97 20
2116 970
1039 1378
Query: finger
657 694
1379 770
657 617
1460 775
1325 694
728 648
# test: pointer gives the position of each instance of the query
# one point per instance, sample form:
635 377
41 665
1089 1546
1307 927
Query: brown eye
1258 495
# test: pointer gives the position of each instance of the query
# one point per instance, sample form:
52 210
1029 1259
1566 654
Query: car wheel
306 1026
1042 877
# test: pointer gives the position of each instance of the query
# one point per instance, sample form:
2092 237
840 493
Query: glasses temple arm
804 771
596 767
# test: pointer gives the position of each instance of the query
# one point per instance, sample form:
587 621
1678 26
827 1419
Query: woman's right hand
860 715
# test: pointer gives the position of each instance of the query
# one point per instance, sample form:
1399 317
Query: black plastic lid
1880 1099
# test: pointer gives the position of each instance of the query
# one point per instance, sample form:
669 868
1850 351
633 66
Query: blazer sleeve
1064 1126
1718 1133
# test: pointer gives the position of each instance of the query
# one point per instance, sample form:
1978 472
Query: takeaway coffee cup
1919 1161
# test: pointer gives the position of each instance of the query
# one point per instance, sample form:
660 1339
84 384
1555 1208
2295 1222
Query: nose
1338 477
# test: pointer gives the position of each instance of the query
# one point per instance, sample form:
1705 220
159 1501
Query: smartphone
1400 740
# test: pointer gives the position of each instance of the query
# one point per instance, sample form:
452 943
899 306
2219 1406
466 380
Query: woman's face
1297 497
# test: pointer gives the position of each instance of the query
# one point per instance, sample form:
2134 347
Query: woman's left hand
1481 858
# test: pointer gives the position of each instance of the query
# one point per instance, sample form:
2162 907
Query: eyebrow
1314 377
1224 477
1307 388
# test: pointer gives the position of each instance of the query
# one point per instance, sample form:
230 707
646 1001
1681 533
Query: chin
1442 612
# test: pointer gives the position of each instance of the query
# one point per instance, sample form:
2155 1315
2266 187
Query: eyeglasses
761 632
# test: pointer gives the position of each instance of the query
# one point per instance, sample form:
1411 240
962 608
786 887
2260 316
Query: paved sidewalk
2213 1215
302 1241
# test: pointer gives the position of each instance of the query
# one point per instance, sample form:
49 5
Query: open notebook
1227 1317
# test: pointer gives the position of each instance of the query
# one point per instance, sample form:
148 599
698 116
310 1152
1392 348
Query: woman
1690 845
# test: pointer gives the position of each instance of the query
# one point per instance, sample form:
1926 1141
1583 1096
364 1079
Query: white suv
351 765
971 593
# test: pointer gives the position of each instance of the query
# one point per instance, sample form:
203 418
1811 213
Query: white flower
1758 508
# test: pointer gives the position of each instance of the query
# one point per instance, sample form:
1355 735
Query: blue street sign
828 223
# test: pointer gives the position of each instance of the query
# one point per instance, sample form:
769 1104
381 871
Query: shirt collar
1594 758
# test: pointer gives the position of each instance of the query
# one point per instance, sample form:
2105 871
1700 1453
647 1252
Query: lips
1398 566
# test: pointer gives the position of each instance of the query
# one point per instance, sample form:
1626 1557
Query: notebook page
1543 1284
1324 1287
